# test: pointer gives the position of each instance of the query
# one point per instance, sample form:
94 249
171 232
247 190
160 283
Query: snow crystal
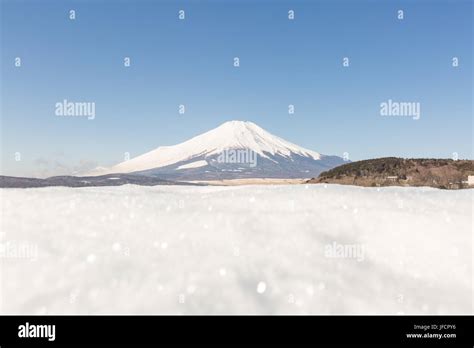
261 287
91 258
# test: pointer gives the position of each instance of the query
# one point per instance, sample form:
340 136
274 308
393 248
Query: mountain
393 171
234 150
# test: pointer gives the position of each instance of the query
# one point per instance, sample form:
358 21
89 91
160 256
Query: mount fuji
234 150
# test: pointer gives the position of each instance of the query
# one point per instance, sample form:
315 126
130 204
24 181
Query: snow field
244 249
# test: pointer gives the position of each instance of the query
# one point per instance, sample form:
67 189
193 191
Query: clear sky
190 62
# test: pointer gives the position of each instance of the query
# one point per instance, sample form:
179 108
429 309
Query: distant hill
85 181
393 171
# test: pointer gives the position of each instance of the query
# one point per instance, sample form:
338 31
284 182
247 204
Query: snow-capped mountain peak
247 135
231 135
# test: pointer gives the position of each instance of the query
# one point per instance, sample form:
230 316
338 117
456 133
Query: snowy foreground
247 249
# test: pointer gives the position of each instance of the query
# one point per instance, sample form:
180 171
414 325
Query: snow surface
243 249
196 164
229 135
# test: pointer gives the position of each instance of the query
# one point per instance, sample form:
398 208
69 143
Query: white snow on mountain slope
202 250
196 164
229 135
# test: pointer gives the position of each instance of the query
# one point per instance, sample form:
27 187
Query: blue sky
190 62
